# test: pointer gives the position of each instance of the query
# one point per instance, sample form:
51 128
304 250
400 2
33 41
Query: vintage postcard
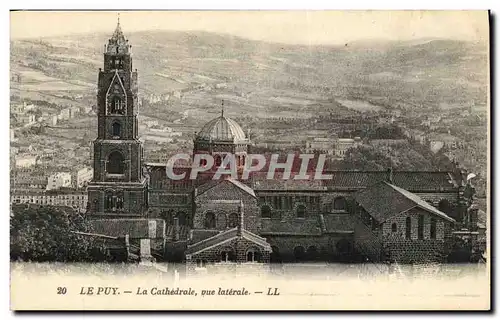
249 160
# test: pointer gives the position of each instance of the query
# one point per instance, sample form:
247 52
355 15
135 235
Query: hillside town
108 162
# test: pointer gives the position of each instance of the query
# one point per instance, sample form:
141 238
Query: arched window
209 220
233 220
301 211
299 253
119 201
420 227
253 255
116 129
227 256
221 221
116 104
339 203
109 200
265 211
394 227
408 228
433 228
115 163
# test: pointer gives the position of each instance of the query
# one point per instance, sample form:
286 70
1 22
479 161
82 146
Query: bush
47 233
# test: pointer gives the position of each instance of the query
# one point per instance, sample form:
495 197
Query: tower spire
222 113
118 34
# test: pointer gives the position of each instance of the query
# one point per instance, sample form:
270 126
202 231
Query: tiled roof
242 186
135 228
227 236
260 182
355 180
212 183
421 203
198 235
384 200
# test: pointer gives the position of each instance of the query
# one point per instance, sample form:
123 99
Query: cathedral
402 216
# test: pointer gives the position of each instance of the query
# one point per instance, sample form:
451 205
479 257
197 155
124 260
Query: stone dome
222 129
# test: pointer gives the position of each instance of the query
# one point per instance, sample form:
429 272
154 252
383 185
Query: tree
47 233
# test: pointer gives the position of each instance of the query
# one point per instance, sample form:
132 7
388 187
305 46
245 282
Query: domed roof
222 129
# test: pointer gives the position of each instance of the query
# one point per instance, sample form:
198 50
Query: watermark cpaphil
232 166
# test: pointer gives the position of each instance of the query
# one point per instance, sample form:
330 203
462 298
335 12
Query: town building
77 199
343 144
64 114
83 177
27 180
26 119
26 160
59 180
446 140
321 145
418 136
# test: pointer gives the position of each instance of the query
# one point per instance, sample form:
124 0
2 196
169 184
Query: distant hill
412 73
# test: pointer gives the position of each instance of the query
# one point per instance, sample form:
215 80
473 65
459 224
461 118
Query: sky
291 27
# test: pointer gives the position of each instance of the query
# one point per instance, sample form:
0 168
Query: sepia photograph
250 160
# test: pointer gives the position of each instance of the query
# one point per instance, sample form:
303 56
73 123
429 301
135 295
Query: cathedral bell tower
119 187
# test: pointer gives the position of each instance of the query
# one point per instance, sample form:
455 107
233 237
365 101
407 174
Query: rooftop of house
226 236
385 200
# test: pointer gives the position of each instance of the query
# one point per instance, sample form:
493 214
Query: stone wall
223 200
326 247
384 243
415 251
400 221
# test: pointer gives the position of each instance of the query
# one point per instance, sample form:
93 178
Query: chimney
176 229
389 175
